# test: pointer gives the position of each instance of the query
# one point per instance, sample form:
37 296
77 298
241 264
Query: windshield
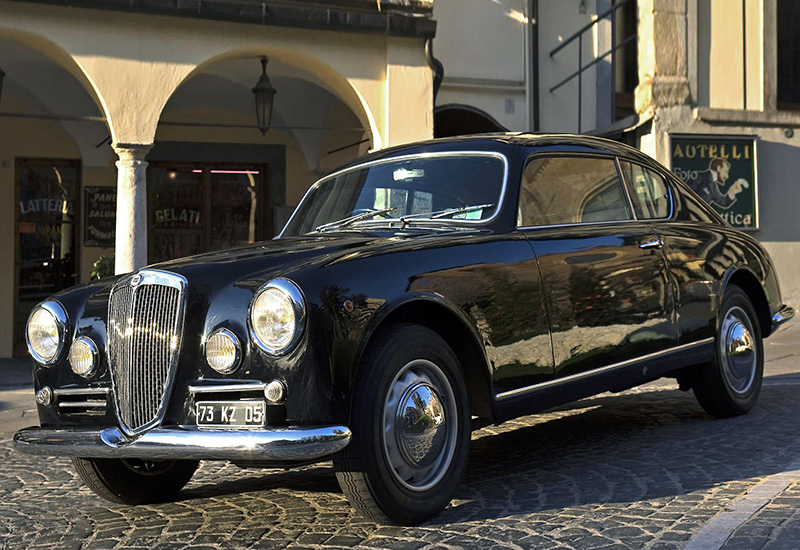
445 187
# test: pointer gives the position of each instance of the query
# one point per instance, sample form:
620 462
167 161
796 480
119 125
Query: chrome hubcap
420 425
738 350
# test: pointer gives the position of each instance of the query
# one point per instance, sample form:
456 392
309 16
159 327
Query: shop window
202 208
788 54
47 234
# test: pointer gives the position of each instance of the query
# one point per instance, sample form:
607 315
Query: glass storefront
47 234
199 208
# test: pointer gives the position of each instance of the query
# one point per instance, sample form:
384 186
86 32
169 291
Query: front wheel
411 428
729 384
134 481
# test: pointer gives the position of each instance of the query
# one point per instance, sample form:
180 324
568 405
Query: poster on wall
101 216
722 170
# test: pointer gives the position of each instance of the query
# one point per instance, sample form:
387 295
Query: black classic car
415 294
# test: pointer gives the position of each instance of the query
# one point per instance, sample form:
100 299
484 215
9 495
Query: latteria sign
722 170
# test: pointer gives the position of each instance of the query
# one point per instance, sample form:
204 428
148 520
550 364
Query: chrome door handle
651 244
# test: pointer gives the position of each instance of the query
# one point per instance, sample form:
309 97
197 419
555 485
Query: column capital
130 152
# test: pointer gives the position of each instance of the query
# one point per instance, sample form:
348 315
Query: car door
694 249
605 280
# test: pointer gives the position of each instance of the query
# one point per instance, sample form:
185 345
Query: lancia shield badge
136 279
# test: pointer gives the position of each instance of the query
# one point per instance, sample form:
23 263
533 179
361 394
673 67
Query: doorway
195 208
46 235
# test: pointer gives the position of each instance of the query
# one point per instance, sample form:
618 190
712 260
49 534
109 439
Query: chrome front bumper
286 444
785 313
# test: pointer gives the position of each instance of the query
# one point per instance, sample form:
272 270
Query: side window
648 191
567 190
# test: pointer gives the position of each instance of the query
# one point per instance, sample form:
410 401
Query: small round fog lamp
223 352
83 357
44 396
275 392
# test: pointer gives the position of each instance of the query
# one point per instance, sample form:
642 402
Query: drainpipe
436 66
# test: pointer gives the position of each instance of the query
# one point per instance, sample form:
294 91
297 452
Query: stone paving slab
646 468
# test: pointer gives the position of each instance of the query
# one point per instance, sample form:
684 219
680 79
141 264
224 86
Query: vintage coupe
414 294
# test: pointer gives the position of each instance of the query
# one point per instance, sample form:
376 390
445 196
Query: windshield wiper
443 213
353 219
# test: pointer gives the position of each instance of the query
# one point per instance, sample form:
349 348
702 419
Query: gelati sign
101 216
722 170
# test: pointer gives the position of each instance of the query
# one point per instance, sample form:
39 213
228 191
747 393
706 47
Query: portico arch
208 129
322 73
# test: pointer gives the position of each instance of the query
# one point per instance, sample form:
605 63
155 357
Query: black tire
406 473
133 481
730 383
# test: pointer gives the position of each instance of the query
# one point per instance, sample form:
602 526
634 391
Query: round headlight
45 332
223 351
277 316
83 357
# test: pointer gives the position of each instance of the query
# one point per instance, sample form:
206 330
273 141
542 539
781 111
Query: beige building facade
133 130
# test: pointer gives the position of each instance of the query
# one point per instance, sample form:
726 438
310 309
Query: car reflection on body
414 294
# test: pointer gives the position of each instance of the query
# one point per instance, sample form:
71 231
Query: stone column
131 239
663 68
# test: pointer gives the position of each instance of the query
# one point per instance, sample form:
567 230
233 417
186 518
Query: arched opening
460 120
52 155
215 181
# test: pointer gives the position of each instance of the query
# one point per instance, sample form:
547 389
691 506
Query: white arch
338 84
60 56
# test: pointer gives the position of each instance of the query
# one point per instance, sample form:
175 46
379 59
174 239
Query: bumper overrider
285 444
784 314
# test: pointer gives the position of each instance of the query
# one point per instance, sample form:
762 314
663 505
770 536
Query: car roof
510 141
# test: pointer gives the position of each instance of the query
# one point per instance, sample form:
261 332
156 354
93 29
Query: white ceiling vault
221 95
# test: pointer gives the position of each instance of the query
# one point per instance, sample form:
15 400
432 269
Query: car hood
281 257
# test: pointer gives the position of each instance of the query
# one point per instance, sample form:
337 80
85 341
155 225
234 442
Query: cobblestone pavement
642 469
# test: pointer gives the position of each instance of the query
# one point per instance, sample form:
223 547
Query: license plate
231 414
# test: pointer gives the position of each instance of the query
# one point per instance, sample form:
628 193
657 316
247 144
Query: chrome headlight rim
298 301
237 344
62 321
95 356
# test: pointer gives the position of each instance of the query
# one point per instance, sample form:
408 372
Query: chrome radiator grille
145 318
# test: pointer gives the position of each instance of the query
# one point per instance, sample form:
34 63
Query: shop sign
101 216
722 170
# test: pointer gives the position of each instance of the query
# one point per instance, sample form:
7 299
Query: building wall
486 54
559 110
730 51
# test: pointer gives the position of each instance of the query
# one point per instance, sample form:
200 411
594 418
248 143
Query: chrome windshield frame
415 156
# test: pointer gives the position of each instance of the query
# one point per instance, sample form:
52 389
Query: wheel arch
442 318
749 283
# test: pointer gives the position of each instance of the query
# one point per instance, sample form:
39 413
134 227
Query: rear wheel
134 481
730 383
410 425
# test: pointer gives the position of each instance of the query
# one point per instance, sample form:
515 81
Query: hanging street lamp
265 95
